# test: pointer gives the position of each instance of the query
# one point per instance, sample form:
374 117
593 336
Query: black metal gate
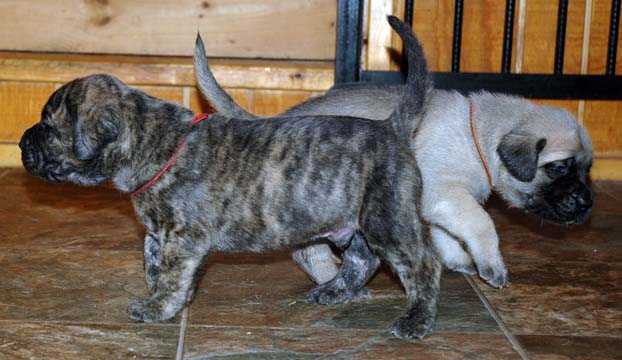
543 86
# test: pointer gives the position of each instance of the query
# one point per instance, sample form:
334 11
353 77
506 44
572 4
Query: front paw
328 294
407 327
147 311
496 276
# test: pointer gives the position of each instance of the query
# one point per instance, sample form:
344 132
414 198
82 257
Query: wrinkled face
76 125
548 174
566 198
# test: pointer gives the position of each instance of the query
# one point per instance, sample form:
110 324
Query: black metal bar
560 39
349 41
408 18
612 46
537 86
508 32
409 7
457 36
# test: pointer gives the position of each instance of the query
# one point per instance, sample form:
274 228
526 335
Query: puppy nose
25 140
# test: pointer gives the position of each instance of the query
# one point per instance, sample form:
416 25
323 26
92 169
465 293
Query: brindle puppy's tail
408 114
211 90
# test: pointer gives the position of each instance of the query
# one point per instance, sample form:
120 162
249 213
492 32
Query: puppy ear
93 131
519 153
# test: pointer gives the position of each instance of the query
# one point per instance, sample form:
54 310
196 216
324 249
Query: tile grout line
182 335
508 334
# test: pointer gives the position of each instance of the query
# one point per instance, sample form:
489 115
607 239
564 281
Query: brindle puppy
241 185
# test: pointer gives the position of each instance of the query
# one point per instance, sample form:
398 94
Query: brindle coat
241 185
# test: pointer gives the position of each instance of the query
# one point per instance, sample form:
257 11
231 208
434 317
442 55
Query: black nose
25 141
29 156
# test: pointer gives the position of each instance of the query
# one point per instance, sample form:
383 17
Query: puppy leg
420 274
359 264
401 243
464 218
153 257
452 253
174 286
318 261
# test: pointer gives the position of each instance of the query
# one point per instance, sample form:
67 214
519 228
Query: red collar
197 119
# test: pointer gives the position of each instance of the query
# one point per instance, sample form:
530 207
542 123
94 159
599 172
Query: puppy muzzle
568 205
34 159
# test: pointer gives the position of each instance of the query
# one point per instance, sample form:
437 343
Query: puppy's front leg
174 285
463 217
452 253
153 257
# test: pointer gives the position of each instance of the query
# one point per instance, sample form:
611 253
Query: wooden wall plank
482 36
312 76
602 120
272 102
20 106
294 29
539 40
170 93
433 24
599 36
574 37
572 106
199 105
607 169
378 43
10 155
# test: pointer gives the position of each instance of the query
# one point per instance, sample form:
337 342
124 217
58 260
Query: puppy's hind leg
401 243
174 285
359 264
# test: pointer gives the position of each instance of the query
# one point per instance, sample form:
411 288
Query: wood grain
572 106
10 155
433 24
286 75
607 169
379 36
602 120
295 29
21 105
272 102
599 37
482 36
170 93
199 105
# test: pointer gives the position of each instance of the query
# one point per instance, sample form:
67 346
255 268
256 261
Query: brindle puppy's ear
93 131
519 153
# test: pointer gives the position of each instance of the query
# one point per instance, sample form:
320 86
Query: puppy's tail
408 114
211 90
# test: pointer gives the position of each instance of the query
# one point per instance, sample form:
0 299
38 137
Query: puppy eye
559 168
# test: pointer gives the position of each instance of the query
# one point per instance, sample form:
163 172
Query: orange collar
479 148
